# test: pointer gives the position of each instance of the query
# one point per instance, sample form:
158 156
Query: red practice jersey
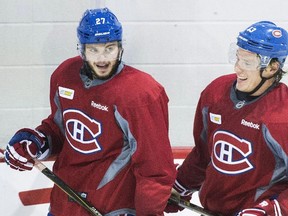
111 141
241 147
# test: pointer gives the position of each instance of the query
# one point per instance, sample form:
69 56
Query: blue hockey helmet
265 39
99 26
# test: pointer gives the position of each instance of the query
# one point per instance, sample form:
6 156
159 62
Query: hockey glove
179 191
24 146
265 208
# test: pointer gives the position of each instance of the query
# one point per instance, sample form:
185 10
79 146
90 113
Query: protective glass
247 62
101 52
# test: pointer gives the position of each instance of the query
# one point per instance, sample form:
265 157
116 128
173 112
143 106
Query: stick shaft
65 188
190 206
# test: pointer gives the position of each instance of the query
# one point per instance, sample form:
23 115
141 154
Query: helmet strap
263 80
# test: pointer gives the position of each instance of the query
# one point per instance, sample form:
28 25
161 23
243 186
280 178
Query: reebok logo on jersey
66 92
99 106
215 118
250 124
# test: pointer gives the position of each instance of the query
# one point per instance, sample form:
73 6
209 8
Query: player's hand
24 146
265 208
252 212
172 207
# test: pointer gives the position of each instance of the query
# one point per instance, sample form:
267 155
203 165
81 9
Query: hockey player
240 160
108 128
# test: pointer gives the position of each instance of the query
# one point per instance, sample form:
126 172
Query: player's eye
92 50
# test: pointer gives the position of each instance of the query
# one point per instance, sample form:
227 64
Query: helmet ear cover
265 39
99 26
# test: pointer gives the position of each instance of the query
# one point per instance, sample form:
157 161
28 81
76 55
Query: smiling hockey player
108 128
240 160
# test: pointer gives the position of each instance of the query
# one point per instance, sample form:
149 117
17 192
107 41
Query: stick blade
35 197
2 156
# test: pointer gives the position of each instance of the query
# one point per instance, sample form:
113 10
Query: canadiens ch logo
82 131
230 153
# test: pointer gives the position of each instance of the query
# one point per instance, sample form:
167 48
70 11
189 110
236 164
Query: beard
111 73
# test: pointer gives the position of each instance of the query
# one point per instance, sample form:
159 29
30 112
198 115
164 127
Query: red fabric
238 151
145 182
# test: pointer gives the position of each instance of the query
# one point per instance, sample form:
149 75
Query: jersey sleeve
152 162
51 126
277 139
198 159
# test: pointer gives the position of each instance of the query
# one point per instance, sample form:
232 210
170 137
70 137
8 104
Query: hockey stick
64 187
35 197
190 206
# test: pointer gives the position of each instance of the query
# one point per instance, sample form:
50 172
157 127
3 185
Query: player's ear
275 66
272 68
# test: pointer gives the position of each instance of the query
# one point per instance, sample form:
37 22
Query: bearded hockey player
108 128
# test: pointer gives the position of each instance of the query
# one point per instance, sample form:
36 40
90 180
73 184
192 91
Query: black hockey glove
179 191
